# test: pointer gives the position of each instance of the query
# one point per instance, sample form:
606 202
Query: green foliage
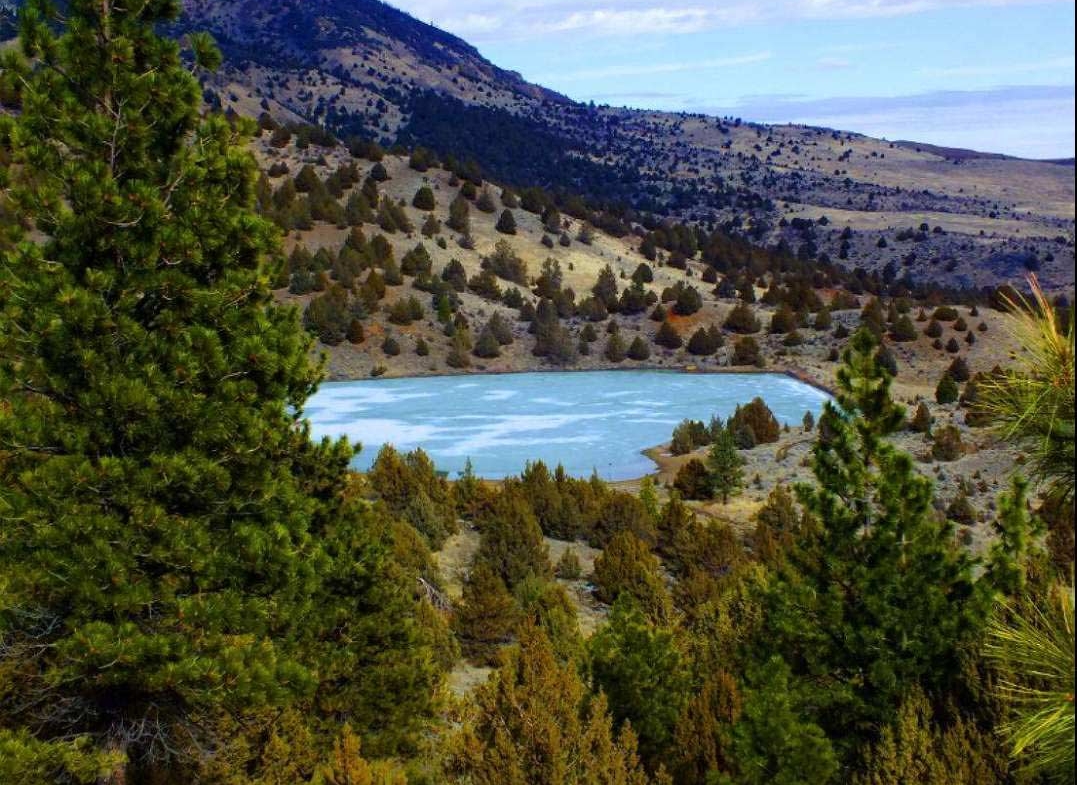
330 314
639 668
506 223
615 348
903 330
772 743
505 263
410 487
704 343
921 747
947 390
424 199
1035 642
668 337
693 481
687 436
742 319
639 349
627 566
1033 405
880 600
757 416
26 759
746 352
568 566
185 549
726 467
459 215
922 420
946 443
533 723
512 544
486 616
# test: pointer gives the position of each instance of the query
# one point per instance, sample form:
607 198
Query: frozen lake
594 420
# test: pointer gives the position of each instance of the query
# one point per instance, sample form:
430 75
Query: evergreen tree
639 349
693 481
459 215
186 549
701 343
512 543
533 723
667 336
486 615
605 289
922 420
639 668
615 348
946 391
726 466
506 224
487 346
424 199
627 566
772 743
881 600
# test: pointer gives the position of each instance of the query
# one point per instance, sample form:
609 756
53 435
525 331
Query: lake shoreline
797 374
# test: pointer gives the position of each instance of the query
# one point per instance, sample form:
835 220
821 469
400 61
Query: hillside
364 69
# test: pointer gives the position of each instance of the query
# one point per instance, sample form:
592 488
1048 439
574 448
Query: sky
991 75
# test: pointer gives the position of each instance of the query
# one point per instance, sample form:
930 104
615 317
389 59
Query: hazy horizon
989 75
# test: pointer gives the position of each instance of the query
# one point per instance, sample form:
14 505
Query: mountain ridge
362 68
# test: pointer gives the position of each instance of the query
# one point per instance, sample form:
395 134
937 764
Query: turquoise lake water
587 421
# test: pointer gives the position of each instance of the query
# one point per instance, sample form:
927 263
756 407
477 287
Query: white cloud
502 19
833 63
660 68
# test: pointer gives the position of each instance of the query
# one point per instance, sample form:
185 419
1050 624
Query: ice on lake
586 421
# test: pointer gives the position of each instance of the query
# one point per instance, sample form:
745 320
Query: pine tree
882 600
424 199
615 348
459 215
605 289
668 337
627 566
726 466
487 346
185 548
772 743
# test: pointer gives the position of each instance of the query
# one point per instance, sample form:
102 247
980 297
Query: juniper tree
174 546
506 224
533 722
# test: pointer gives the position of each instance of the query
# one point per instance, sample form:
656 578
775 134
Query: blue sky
994 75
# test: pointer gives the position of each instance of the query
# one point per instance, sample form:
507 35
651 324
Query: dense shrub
742 320
757 416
